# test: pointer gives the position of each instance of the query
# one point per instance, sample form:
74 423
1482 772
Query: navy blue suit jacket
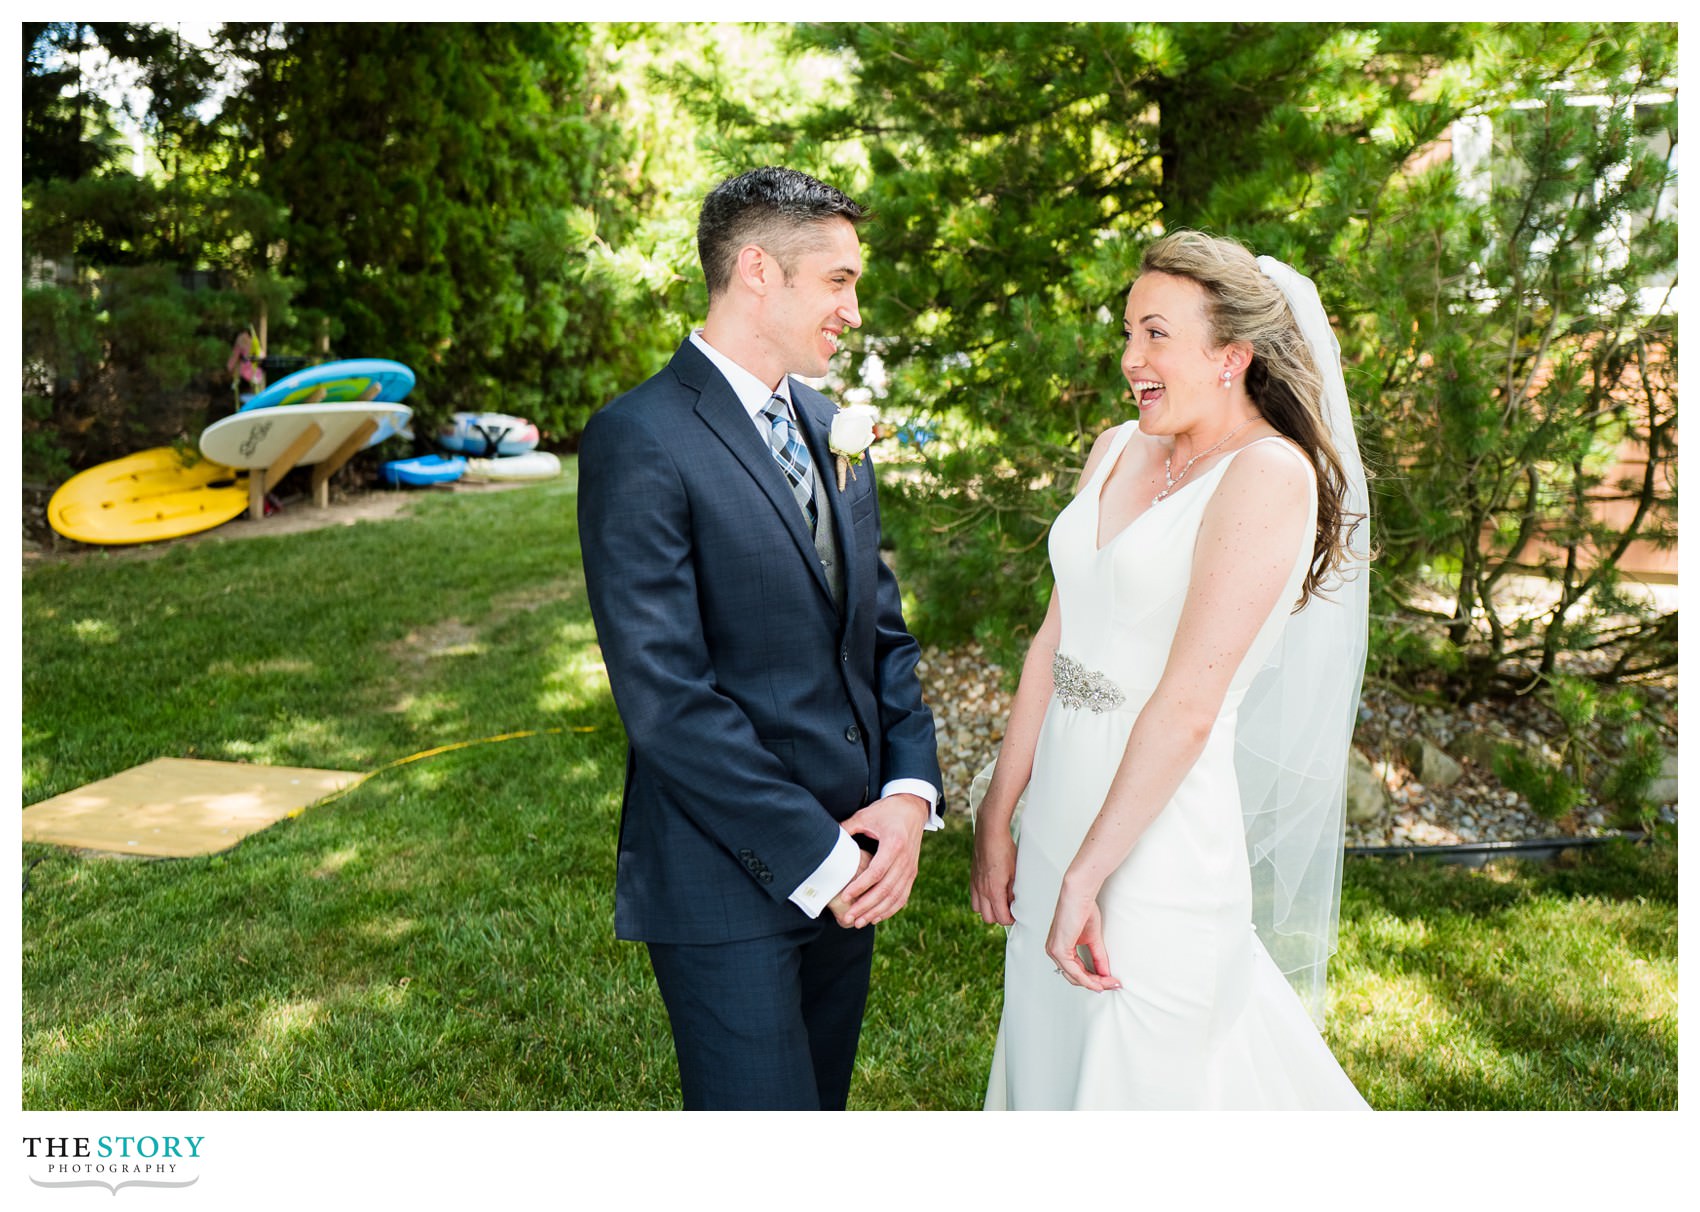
757 716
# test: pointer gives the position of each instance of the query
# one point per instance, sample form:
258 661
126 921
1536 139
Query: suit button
853 733
844 654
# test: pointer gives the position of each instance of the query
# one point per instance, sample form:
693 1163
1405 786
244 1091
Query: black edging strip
1474 854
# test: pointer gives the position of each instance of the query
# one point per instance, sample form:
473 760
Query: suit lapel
721 410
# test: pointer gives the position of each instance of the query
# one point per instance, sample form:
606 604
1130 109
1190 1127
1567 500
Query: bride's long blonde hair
1282 380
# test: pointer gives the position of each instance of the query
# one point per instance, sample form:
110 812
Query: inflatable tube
487 433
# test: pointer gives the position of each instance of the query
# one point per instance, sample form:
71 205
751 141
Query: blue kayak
427 469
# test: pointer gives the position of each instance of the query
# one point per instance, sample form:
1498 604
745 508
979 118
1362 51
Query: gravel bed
970 707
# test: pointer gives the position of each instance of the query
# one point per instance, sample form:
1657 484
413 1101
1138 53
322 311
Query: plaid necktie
791 455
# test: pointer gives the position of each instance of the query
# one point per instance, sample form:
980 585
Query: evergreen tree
1015 170
1509 314
405 155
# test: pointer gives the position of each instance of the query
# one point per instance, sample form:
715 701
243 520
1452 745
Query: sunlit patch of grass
534 598
332 864
1368 1004
52 1043
466 648
281 666
577 633
288 1018
426 710
95 631
575 681
1388 933
391 930
1653 989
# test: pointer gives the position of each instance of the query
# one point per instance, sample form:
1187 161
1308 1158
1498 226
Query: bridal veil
1295 726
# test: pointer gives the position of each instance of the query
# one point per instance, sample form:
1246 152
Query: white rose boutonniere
852 433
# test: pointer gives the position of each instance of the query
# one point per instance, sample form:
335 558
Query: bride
1182 721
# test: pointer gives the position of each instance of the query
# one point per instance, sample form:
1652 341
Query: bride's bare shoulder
1270 473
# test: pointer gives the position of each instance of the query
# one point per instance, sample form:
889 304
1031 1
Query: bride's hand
1079 923
992 878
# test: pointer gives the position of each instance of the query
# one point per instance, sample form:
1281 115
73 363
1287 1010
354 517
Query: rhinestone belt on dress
1078 686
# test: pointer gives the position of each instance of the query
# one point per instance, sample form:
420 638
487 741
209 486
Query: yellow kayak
142 498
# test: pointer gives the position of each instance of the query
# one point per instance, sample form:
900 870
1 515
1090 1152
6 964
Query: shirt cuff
828 880
921 788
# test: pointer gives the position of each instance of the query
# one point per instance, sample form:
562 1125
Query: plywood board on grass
178 807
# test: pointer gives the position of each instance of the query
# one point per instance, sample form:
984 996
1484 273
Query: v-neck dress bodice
1121 602
1204 1018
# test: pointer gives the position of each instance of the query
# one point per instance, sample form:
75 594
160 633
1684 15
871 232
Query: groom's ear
758 270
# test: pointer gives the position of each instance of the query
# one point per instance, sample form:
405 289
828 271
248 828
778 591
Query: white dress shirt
829 879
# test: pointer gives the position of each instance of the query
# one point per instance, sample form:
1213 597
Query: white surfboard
261 436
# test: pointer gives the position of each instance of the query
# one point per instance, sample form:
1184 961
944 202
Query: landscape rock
1366 794
1432 764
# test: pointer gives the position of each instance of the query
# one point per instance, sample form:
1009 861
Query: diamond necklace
1171 482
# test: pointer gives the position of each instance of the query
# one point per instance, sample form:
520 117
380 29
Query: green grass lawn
441 936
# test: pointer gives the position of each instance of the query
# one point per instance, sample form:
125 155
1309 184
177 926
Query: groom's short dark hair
773 207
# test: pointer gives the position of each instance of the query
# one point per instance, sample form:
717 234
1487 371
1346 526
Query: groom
759 660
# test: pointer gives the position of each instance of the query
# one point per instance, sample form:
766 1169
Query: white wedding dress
1203 1018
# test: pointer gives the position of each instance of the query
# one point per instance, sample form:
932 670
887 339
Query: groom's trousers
767 1024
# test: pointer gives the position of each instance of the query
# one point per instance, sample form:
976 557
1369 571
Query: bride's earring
1227 378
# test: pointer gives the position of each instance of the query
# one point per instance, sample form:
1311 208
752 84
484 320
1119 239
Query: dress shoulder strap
1124 435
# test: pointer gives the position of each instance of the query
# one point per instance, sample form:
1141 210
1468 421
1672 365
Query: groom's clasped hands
882 883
